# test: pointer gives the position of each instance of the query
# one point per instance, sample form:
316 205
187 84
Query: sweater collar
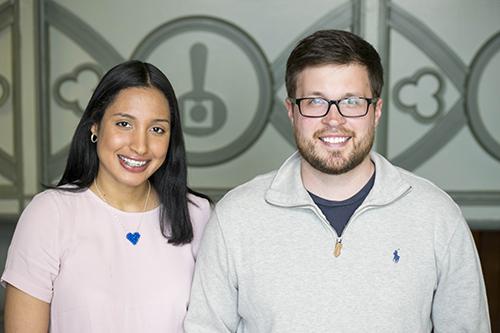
287 189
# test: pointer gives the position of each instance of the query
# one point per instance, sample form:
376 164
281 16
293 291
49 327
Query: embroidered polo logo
396 256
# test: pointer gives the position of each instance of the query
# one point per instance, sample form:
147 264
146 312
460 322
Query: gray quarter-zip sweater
407 264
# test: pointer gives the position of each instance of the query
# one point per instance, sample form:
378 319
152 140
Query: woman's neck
130 199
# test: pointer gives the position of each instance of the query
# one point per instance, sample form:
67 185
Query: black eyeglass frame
335 102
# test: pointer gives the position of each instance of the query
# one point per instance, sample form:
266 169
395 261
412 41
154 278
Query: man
338 239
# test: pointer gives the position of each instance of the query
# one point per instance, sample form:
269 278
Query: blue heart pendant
133 237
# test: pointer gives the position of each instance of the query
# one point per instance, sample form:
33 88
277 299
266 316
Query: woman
112 247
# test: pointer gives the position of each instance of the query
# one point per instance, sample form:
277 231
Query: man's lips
334 139
337 137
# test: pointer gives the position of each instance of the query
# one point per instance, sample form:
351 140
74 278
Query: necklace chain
131 237
106 201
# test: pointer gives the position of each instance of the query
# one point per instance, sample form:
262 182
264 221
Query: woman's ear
94 129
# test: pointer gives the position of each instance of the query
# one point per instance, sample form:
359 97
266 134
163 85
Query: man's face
334 144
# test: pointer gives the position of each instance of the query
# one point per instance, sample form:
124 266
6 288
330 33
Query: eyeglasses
317 107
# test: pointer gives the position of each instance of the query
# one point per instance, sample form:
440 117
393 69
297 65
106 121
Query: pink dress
70 250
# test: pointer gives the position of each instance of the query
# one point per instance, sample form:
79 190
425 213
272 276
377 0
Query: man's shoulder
423 191
396 174
422 184
426 192
253 189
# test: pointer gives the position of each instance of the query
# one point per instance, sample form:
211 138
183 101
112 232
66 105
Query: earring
93 138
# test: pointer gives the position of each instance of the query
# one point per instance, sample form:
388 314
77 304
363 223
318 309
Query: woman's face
133 137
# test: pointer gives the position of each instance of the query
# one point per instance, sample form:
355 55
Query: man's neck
336 187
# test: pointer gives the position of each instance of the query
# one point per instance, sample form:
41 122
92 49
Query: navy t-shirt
338 213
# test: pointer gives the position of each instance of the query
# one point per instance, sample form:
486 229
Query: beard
335 163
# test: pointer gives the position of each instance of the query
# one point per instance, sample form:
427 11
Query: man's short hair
334 47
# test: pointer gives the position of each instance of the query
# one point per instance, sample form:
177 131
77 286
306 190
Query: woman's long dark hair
169 181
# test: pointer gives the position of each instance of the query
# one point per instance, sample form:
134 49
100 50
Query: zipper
338 244
337 249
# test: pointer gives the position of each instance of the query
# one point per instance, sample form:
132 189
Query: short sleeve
33 257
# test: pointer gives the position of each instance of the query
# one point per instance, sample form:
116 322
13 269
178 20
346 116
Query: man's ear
378 110
289 107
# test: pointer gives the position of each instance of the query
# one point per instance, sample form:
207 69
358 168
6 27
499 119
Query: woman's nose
139 143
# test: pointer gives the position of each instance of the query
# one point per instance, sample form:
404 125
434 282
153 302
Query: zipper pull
338 247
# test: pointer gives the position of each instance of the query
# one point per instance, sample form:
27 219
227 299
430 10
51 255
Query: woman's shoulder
198 202
58 194
47 213
199 209
56 202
